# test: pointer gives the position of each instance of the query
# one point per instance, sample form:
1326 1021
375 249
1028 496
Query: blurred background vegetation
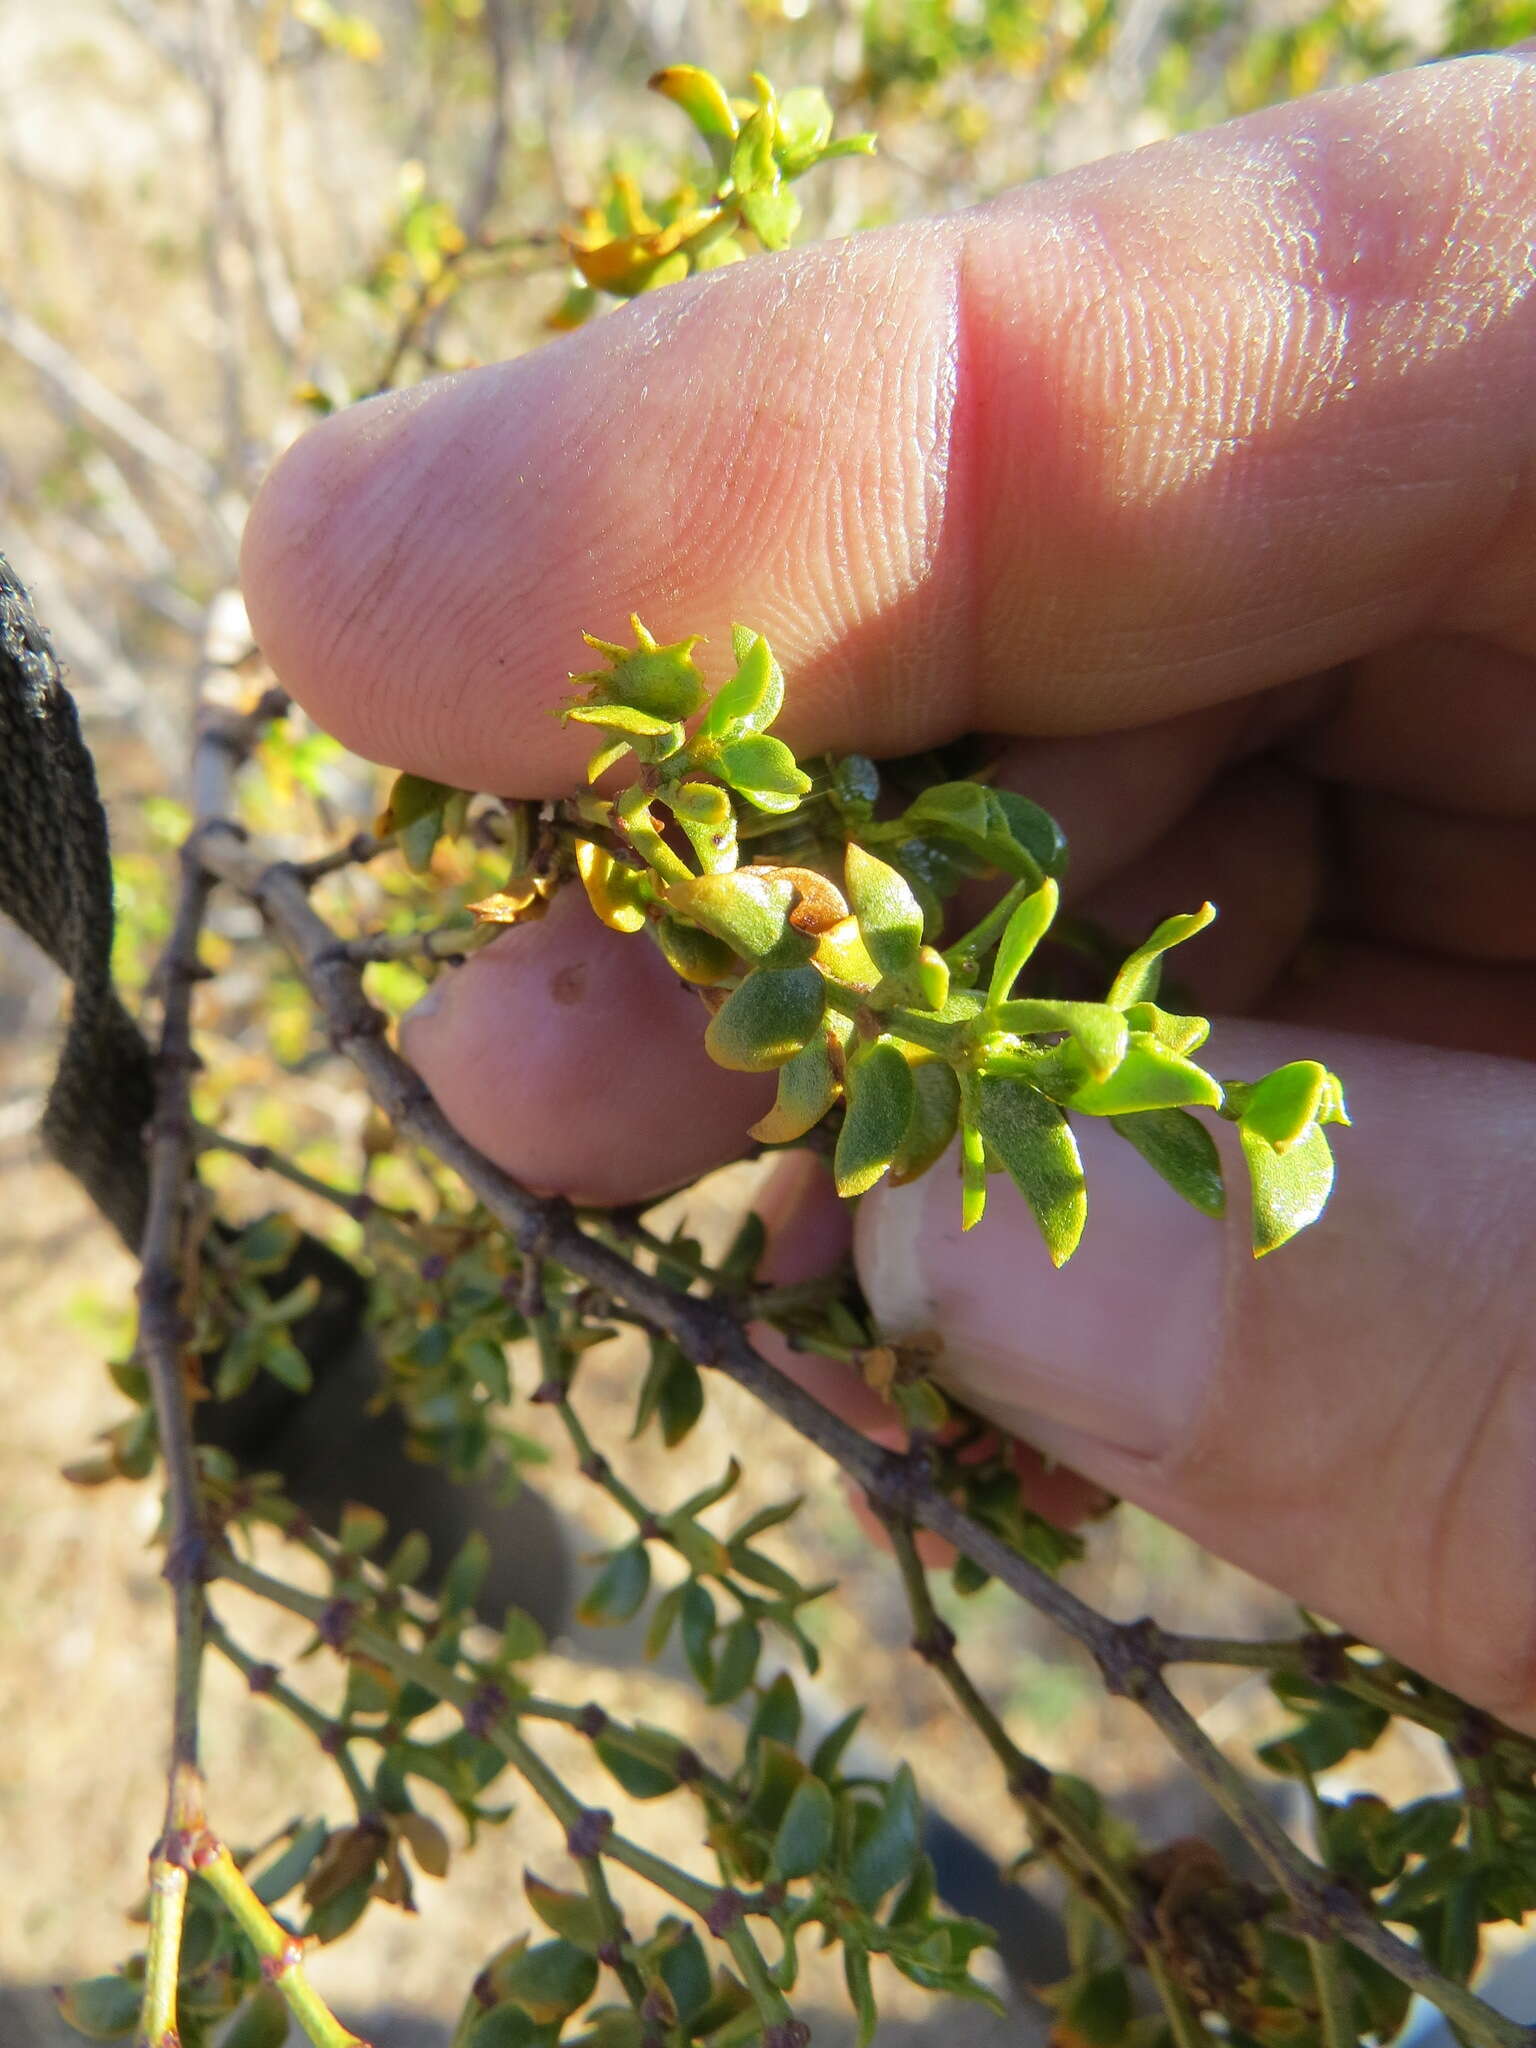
218 217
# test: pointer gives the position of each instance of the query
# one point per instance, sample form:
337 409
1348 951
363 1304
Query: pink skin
1206 477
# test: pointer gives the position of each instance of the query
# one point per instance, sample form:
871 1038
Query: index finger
1169 429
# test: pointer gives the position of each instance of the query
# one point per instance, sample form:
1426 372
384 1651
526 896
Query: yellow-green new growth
825 960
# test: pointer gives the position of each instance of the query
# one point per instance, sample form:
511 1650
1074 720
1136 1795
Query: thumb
1352 1419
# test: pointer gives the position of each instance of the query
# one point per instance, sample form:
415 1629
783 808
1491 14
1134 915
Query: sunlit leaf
1032 1139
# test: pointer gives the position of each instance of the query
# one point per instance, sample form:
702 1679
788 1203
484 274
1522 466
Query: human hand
1207 475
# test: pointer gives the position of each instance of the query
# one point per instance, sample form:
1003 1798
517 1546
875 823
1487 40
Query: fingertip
572 1057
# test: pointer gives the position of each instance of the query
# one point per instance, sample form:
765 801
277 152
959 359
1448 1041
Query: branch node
290 1957
484 1709
1130 1658
336 1622
587 1833
724 1911
936 1643
1030 1780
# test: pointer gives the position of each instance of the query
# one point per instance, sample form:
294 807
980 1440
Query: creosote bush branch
814 905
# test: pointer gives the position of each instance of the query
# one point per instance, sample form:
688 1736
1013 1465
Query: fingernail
1118 1345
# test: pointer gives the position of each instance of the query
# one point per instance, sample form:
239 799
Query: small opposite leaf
550 1981
889 915
751 700
881 1098
1148 1077
571 1915
614 890
1290 1189
1032 1139
752 163
697 956
805 1833
886 1856
618 1592
748 911
767 1020
807 1090
1138 979
935 1113
1100 1031
1030 922
1183 1151
703 99
1284 1106
1179 1034
763 770
772 216
412 798
805 127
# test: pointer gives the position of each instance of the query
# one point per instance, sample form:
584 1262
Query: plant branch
1128 1654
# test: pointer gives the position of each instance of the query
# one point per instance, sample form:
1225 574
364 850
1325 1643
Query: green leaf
1179 1034
973 1173
618 1592
571 1915
753 697
267 1245
1098 2009
881 1098
931 1128
889 915
283 1359
1032 1139
414 797
262 2023
684 1969
101 2008
752 161
510 2027
887 1855
778 1715
804 1836
698 1631
1182 1150
704 100
550 1981
807 1090
1028 925
697 957
805 128
624 718
1148 1077
1099 1032
765 1519
410 1560
764 771
830 1750
672 1393
638 1766
362 1529
736 1661
772 216
292 1866
465 1575
700 803
1290 1190
1284 1106
1139 977
994 825
767 1019
860 1990
748 911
